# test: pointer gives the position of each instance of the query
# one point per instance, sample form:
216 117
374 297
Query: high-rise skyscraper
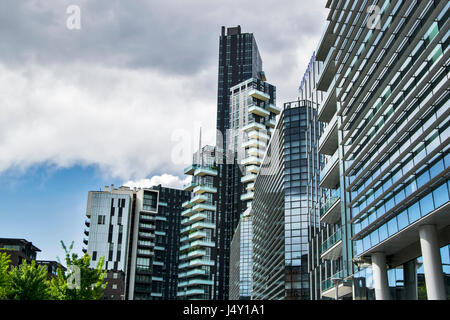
280 213
197 260
239 60
252 121
386 143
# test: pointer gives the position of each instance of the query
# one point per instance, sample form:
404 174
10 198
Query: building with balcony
280 214
386 144
198 252
138 233
239 61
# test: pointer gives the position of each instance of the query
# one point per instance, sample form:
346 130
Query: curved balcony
253 169
247 196
251 160
258 135
254 143
256 152
248 178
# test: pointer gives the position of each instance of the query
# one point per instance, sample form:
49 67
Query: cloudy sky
121 99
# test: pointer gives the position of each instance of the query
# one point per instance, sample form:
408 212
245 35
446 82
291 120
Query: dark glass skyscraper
239 60
280 212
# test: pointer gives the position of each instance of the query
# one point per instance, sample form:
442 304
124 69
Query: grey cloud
175 36
110 68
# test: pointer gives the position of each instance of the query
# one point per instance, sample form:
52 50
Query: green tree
80 282
29 282
4 274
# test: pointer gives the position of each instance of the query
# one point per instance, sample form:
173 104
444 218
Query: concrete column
432 263
410 277
380 279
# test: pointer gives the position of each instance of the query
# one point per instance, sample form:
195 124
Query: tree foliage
29 282
4 274
80 282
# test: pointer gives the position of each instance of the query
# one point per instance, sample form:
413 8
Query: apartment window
94 255
114 286
101 219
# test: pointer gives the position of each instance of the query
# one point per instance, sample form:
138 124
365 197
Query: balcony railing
205 171
202 189
328 283
259 95
189 187
274 109
259 111
332 240
190 170
254 126
329 175
330 201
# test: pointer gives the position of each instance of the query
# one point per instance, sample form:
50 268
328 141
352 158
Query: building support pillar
380 279
410 277
432 262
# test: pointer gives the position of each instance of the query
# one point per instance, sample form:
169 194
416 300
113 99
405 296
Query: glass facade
386 140
241 261
280 211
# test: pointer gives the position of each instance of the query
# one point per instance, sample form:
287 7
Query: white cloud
121 120
166 180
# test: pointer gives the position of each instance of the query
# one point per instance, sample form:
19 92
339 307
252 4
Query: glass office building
252 121
280 210
241 260
385 81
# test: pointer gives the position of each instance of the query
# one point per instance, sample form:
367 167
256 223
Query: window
114 286
101 219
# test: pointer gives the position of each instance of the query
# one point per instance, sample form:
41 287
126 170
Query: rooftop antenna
200 158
